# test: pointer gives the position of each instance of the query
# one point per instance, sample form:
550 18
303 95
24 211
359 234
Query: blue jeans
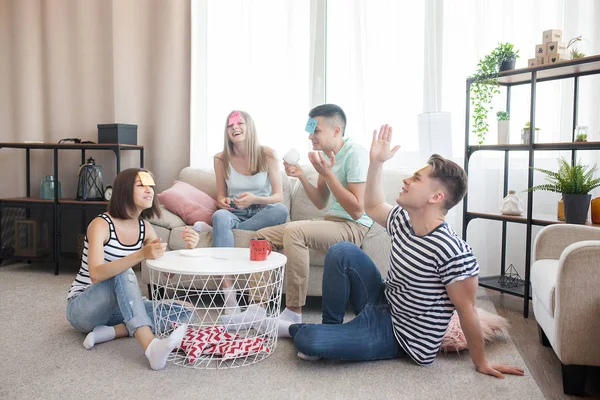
117 300
252 218
350 277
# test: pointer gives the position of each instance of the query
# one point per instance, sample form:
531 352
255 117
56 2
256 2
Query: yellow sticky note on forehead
422 168
146 178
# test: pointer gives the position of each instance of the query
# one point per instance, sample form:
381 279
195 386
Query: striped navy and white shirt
420 269
113 250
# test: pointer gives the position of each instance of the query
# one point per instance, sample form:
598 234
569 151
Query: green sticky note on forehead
311 125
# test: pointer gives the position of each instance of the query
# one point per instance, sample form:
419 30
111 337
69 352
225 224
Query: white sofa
376 243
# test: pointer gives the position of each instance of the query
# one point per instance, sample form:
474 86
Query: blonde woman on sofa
105 299
342 166
249 189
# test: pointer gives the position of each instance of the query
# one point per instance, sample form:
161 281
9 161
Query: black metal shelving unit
526 76
56 206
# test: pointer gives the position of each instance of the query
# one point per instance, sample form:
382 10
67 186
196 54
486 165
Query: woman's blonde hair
254 150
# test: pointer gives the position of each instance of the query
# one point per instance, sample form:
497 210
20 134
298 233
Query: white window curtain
387 62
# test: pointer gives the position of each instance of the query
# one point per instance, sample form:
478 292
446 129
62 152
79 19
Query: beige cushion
168 220
543 283
303 208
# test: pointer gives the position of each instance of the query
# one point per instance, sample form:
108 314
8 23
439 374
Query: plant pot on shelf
503 132
525 136
576 207
507 65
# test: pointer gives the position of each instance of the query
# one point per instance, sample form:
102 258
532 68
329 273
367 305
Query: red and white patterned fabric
216 341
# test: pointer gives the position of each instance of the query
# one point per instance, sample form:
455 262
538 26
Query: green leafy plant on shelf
485 86
574 53
528 126
581 137
570 179
503 116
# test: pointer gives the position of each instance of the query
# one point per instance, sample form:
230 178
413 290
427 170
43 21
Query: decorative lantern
90 186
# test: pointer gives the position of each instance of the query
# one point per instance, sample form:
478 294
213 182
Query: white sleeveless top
113 250
257 184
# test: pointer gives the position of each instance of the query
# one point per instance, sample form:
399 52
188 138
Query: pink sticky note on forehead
235 118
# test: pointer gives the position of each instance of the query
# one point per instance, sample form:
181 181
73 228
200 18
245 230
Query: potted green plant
525 133
574 182
506 55
581 137
503 126
485 85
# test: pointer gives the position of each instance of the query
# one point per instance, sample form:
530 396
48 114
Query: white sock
307 358
159 349
202 226
244 320
287 318
231 304
100 334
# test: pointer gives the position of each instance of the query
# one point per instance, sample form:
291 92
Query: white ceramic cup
292 157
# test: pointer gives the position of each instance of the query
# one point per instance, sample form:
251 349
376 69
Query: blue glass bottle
47 188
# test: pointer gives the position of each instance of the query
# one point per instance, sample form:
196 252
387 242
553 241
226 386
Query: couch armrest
168 219
578 304
553 239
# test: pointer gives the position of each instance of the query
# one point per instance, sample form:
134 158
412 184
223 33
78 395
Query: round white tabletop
214 261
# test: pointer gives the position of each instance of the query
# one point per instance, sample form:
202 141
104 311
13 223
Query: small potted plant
503 125
581 133
506 55
581 137
485 85
574 182
525 133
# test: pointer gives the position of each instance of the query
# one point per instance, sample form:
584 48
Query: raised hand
190 237
380 147
244 200
498 370
322 165
154 249
293 170
224 203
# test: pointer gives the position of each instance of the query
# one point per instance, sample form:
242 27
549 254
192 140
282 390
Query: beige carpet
41 356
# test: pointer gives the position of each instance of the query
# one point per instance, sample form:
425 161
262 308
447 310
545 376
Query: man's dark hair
121 203
451 176
330 111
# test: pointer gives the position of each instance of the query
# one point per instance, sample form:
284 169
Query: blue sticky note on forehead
311 125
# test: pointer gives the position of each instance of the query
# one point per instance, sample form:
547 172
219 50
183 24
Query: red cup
260 249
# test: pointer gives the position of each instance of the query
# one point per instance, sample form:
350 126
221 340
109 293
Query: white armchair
565 281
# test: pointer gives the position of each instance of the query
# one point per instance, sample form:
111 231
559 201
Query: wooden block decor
532 62
552 35
540 50
540 60
556 48
556 58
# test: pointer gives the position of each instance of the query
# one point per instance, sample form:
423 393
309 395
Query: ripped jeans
119 300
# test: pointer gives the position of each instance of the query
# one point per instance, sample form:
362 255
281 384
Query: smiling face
236 131
420 190
326 134
143 195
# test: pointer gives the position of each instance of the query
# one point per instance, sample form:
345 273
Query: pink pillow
191 204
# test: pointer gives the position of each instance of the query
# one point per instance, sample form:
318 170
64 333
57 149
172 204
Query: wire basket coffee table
196 277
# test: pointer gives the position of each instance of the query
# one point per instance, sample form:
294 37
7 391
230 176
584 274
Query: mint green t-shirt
351 166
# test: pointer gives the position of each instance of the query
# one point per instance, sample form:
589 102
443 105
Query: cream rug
41 356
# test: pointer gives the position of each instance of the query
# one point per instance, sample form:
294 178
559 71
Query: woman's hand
190 237
224 203
153 250
244 200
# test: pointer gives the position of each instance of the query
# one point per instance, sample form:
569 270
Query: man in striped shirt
432 273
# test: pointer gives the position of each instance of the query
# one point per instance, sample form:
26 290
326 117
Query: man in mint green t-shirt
342 166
